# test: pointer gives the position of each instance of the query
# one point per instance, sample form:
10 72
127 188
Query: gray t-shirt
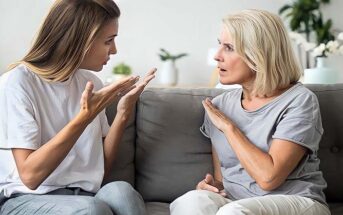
293 116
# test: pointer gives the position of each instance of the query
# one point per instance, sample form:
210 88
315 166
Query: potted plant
305 17
121 70
169 74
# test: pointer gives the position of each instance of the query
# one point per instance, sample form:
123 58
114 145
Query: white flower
340 36
332 46
340 50
319 50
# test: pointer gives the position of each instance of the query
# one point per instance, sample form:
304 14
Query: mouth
106 61
221 69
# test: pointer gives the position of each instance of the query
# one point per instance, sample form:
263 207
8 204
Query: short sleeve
22 130
205 129
301 123
104 123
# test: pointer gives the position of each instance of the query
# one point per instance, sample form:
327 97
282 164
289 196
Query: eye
229 48
108 42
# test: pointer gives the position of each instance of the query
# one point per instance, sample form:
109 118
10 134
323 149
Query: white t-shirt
32 112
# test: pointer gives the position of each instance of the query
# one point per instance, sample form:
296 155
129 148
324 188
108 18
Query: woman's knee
235 208
118 189
122 198
192 198
97 207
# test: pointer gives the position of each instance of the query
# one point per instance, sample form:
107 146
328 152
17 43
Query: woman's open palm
129 99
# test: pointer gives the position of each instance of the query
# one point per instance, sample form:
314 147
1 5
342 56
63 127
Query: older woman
265 136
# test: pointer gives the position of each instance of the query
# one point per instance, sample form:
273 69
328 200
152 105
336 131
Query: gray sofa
164 155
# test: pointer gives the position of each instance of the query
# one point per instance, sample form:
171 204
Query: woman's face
232 69
102 47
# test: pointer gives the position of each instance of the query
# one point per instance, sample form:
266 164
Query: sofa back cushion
171 153
123 168
330 152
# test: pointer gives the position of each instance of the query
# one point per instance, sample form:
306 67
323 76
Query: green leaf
165 55
284 8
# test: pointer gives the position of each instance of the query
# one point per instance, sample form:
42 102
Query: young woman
56 144
265 136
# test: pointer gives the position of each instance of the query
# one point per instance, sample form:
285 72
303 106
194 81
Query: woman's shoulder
18 77
226 96
300 94
87 75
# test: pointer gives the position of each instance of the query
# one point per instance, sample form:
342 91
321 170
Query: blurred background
179 26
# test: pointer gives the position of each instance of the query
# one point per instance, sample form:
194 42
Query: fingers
209 179
207 184
149 76
209 107
123 93
136 90
87 93
222 193
204 186
122 85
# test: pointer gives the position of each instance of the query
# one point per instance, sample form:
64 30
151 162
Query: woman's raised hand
210 184
129 99
92 103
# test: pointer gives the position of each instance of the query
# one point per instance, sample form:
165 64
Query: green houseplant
122 69
165 56
169 73
306 17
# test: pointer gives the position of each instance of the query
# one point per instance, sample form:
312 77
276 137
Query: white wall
190 26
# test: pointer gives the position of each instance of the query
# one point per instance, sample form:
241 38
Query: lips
221 69
106 61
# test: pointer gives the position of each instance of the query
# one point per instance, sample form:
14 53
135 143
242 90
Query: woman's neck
252 101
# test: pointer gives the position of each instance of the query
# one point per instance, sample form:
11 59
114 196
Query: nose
218 57
113 49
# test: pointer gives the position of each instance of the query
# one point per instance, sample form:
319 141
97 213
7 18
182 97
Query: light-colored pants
201 202
114 198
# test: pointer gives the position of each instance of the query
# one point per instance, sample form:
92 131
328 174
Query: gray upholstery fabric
157 208
123 166
171 153
330 149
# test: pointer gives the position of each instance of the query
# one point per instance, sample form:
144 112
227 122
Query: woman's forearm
257 163
35 166
113 139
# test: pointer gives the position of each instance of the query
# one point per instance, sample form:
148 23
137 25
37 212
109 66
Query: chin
226 81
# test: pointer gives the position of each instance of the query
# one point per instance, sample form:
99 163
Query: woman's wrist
123 116
83 118
228 128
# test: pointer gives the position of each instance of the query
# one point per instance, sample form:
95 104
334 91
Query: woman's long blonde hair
262 41
66 36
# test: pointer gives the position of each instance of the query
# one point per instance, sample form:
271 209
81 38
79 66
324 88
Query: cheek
233 63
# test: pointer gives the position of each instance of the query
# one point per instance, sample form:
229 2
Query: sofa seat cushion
336 208
157 208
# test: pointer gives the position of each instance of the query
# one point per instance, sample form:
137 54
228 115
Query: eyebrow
114 35
226 44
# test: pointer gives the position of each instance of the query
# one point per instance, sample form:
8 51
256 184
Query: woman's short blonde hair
262 41
66 36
